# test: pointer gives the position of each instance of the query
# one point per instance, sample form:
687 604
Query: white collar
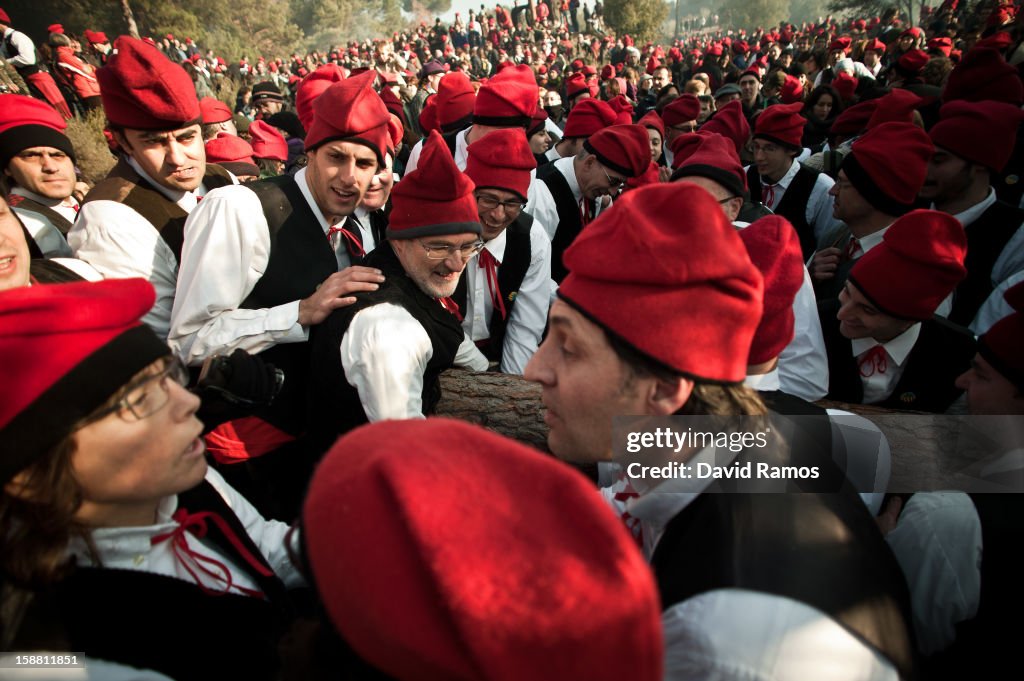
300 179
969 215
764 382
114 543
496 246
869 241
898 348
566 167
49 203
184 200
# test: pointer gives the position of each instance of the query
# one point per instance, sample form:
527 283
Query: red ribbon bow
354 245
490 265
453 307
192 560
874 361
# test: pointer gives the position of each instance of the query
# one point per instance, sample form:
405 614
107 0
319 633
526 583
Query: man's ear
668 397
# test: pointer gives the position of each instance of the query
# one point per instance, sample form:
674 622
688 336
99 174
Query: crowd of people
223 358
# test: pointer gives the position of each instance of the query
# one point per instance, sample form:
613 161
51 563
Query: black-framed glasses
488 203
148 395
613 182
445 251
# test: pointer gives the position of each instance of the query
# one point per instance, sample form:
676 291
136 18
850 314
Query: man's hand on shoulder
336 292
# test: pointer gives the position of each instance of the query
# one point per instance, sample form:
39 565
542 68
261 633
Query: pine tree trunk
129 19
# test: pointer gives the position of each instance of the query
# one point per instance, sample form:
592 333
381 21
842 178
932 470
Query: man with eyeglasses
576 186
506 292
680 117
380 358
783 184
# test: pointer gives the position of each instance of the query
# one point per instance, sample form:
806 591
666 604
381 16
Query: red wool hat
652 120
311 87
350 110
840 45
913 31
233 153
67 348
682 109
669 247
888 166
792 91
95 37
55 28
428 117
608 72
508 99
434 199
29 122
980 132
501 159
774 248
455 100
710 155
854 120
984 74
623 109
845 85
213 110
896 107
267 141
587 117
782 124
1001 344
999 41
4 18
537 122
625 149
393 104
576 84
912 63
875 45
483 586
943 45
651 176
918 264
730 122
144 90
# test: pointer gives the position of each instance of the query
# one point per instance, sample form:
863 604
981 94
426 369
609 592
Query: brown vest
123 185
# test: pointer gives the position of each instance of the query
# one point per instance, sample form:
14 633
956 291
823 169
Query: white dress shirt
226 251
120 244
529 314
26 48
544 209
384 353
1011 259
131 548
742 635
818 212
48 237
995 306
880 384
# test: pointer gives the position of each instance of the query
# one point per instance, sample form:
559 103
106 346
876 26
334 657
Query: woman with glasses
116 539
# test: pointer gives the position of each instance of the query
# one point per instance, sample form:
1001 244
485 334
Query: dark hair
816 94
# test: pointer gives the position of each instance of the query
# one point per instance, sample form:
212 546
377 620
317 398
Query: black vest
450 140
123 185
301 258
569 222
986 238
748 541
335 407
511 274
55 218
793 206
810 435
987 645
167 624
13 51
942 352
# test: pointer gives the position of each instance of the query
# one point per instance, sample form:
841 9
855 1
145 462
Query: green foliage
752 13
640 19
93 157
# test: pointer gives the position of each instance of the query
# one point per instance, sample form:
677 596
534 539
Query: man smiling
131 223
380 358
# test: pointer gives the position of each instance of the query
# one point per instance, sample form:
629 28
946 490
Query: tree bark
129 19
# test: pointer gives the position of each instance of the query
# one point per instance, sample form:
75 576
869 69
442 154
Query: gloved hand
240 378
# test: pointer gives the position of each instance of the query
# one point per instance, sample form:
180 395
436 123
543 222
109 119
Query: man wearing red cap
217 118
782 183
18 50
884 346
680 117
878 181
380 357
872 59
263 263
586 118
38 162
572 191
132 222
973 142
506 290
613 349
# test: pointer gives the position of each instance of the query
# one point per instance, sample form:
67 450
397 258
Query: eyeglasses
444 251
613 182
489 203
148 395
